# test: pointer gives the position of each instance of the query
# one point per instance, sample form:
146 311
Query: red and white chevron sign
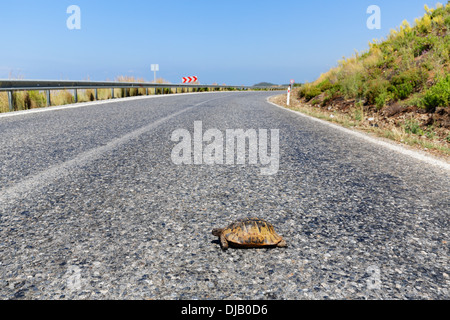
190 79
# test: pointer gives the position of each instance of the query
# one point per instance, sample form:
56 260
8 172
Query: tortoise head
217 232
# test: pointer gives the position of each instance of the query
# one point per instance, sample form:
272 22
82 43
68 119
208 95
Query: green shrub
315 102
402 91
352 86
405 83
387 62
447 21
415 100
376 92
309 91
438 12
438 95
331 91
327 98
325 85
424 44
382 99
413 126
312 93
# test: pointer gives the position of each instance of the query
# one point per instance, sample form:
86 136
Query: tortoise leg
282 244
223 242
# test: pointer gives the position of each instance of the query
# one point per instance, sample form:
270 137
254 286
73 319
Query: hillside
264 84
402 81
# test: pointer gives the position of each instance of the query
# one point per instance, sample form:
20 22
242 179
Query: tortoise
249 233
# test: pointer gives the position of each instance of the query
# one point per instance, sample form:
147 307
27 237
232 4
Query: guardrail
48 85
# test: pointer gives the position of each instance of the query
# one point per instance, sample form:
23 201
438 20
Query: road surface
92 206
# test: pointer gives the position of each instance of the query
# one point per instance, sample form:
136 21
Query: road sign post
155 67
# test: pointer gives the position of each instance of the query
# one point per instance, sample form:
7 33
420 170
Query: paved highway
93 206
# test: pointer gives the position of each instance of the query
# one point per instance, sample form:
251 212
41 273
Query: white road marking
39 180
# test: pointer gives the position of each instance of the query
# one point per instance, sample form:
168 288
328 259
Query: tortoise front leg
282 244
223 242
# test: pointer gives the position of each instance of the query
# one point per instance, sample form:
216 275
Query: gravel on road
93 207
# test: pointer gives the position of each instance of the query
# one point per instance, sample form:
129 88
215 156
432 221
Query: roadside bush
388 60
352 86
309 91
395 69
447 22
382 99
413 126
438 95
405 83
329 94
402 91
312 93
415 100
376 91
424 44
325 85
334 91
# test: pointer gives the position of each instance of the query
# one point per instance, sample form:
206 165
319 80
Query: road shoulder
435 159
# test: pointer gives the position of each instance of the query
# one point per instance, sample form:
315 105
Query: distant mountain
264 84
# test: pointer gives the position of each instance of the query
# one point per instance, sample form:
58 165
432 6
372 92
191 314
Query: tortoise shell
249 233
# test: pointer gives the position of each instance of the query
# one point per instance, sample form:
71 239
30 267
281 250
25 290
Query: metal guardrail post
10 101
75 95
96 94
49 102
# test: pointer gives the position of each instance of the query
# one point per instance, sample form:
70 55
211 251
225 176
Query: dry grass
4 107
61 97
37 99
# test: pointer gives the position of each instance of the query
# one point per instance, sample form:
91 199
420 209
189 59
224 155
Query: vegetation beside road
399 88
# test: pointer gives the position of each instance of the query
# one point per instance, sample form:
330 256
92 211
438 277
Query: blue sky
237 42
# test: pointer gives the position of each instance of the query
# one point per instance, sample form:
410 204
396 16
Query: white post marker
289 92
289 95
155 67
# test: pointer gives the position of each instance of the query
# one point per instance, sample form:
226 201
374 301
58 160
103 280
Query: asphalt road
92 206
